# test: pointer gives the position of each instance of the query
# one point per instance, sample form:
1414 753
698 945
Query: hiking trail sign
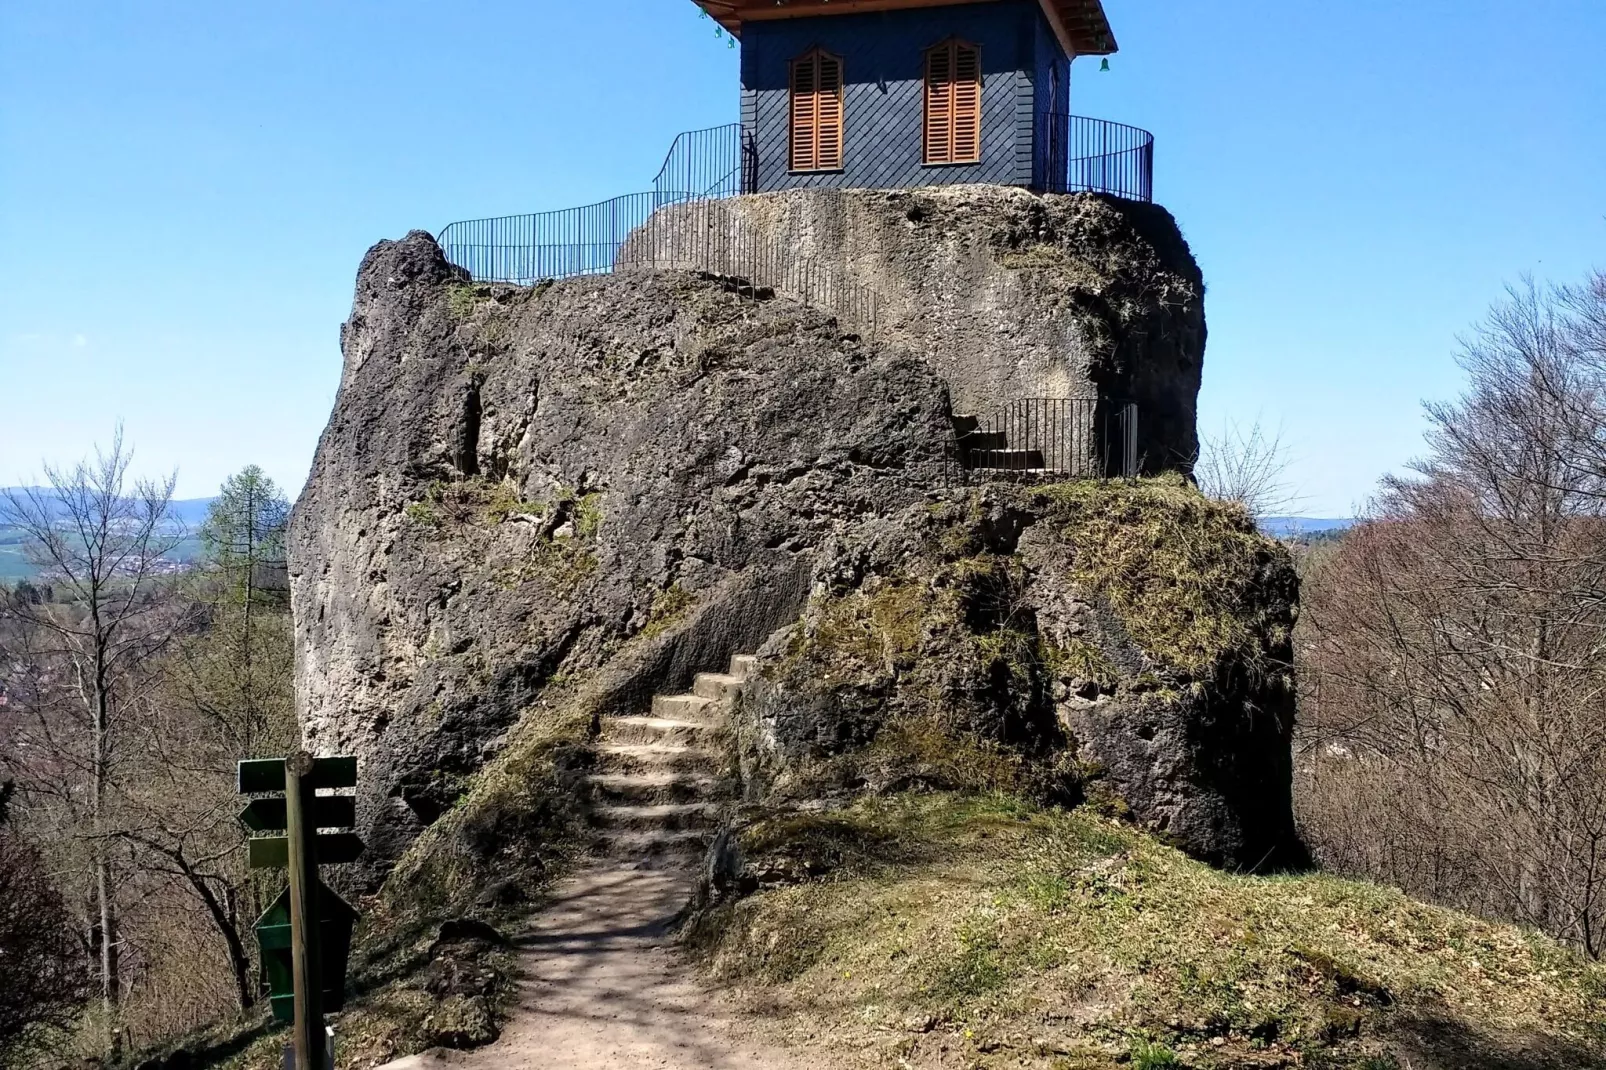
305 936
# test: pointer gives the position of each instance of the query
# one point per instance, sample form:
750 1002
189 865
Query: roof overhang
1081 25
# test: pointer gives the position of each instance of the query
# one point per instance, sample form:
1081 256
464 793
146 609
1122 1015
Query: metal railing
525 249
656 231
705 167
721 161
713 236
1049 439
1098 156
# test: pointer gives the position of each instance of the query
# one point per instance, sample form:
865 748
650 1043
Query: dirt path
603 987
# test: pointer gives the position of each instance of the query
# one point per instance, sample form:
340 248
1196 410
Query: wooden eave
1081 25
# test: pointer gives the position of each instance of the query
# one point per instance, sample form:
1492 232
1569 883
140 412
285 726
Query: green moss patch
669 608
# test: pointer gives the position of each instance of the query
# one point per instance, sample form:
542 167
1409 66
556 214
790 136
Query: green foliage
976 966
463 298
880 627
1152 1055
465 503
919 748
242 540
1078 659
588 515
668 610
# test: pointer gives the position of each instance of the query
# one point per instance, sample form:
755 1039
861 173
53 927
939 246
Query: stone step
623 758
648 847
1005 460
743 666
658 730
984 440
681 707
649 788
717 686
665 816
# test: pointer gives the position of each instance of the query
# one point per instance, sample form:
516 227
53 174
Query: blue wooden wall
883 56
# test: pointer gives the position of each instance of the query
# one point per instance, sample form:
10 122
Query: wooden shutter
817 120
967 105
953 104
828 116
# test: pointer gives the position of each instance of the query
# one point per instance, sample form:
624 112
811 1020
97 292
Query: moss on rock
1127 641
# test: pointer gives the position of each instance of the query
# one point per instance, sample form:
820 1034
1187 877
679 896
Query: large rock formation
515 481
521 488
1009 294
1128 644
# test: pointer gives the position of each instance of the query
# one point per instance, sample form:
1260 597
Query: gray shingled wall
883 58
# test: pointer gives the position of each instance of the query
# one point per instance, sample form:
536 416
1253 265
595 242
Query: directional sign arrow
328 812
332 849
261 776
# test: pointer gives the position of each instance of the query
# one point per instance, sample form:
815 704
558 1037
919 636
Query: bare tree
223 694
1249 467
1454 646
42 983
103 541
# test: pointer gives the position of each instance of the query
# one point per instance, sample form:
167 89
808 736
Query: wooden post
305 961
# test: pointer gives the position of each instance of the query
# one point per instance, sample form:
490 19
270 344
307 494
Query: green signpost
305 936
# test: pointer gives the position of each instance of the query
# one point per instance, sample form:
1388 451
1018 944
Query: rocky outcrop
1128 645
515 482
606 485
1010 294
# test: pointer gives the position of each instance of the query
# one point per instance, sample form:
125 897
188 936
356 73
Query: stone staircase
990 451
659 787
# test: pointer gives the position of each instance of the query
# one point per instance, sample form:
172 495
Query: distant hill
189 514
1293 527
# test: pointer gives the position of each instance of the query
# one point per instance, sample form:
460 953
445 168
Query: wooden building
902 93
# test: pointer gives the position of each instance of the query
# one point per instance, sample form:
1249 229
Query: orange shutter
967 105
953 104
804 130
817 136
828 156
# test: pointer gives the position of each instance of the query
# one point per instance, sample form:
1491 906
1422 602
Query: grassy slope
986 933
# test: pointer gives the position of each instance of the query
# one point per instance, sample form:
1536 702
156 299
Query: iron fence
714 236
655 231
721 161
1049 439
525 249
705 167
1098 156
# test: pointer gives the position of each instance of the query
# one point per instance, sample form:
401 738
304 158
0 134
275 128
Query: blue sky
186 190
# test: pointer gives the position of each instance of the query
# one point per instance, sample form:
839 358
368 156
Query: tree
1454 646
102 540
42 981
225 695
246 579
1247 467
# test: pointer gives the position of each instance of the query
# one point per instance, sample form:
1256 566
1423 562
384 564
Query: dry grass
983 932
1193 581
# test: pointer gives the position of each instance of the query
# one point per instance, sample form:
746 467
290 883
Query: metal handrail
711 165
1098 156
1049 439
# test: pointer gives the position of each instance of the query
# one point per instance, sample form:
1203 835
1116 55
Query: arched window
953 103
817 112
